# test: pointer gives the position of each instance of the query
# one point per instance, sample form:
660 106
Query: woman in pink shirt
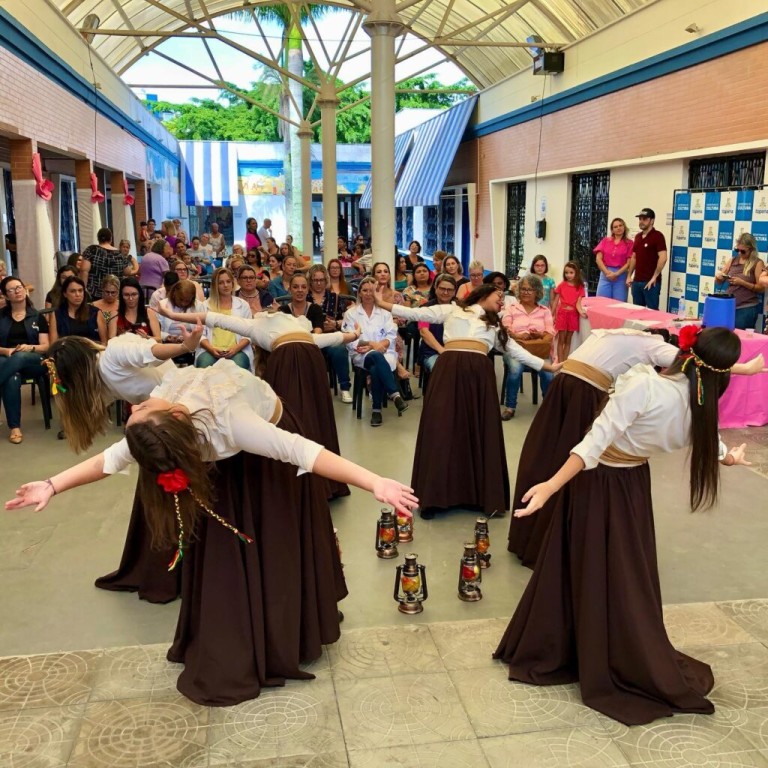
612 256
530 325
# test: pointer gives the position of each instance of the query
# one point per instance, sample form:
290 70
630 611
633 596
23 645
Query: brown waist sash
588 373
300 336
467 345
614 455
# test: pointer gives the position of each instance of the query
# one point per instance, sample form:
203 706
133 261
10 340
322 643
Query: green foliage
230 118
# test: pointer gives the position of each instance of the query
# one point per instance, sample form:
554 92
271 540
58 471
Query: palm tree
293 62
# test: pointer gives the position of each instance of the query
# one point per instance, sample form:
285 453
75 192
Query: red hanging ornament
43 187
128 199
96 196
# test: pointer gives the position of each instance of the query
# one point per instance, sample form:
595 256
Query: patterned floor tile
137 733
401 710
135 672
468 644
325 760
702 624
688 740
752 615
38 738
498 707
387 651
299 721
566 748
52 680
741 674
449 754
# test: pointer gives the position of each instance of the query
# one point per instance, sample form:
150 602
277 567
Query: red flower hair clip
174 481
688 336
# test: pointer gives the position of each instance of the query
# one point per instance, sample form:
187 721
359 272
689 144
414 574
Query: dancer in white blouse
295 368
253 611
572 402
460 458
86 378
592 610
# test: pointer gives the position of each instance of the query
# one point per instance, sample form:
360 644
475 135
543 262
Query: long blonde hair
82 398
748 241
213 297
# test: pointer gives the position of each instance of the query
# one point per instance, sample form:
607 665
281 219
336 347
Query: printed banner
705 228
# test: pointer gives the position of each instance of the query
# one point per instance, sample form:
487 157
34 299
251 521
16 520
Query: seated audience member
218 343
124 248
278 286
300 306
476 273
74 315
417 293
183 271
273 266
414 254
333 308
170 278
437 262
403 277
23 342
53 296
502 282
375 349
200 256
337 283
452 267
182 297
444 292
108 305
132 313
530 324
258 298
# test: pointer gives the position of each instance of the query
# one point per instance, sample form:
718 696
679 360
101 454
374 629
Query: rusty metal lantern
410 586
470 575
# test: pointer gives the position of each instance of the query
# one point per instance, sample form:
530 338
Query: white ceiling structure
485 39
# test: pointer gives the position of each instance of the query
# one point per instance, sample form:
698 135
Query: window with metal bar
589 221
727 172
513 258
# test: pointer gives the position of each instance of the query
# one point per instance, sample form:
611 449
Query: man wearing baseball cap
649 255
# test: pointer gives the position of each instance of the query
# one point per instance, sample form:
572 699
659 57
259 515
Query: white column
305 137
328 102
383 26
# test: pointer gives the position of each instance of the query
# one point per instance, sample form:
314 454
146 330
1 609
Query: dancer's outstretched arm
252 434
250 327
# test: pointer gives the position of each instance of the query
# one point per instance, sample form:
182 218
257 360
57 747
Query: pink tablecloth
745 402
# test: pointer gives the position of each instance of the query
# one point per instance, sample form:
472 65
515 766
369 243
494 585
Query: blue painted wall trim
729 40
30 50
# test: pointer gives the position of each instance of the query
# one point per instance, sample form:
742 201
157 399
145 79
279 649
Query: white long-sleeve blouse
235 408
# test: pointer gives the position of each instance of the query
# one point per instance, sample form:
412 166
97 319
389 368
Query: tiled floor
413 694
423 695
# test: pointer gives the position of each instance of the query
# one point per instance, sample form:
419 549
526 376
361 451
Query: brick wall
719 103
32 105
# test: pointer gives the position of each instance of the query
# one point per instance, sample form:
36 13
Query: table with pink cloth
745 402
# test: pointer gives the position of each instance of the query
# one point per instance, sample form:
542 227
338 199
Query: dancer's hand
395 494
536 497
191 339
738 456
38 493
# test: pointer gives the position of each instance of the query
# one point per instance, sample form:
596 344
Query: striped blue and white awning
403 144
209 173
434 147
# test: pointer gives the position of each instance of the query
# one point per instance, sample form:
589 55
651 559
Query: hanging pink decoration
128 199
43 187
96 196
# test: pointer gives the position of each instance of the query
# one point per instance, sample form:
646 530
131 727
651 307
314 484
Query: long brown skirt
298 373
562 420
592 610
251 613
460 458
143 569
